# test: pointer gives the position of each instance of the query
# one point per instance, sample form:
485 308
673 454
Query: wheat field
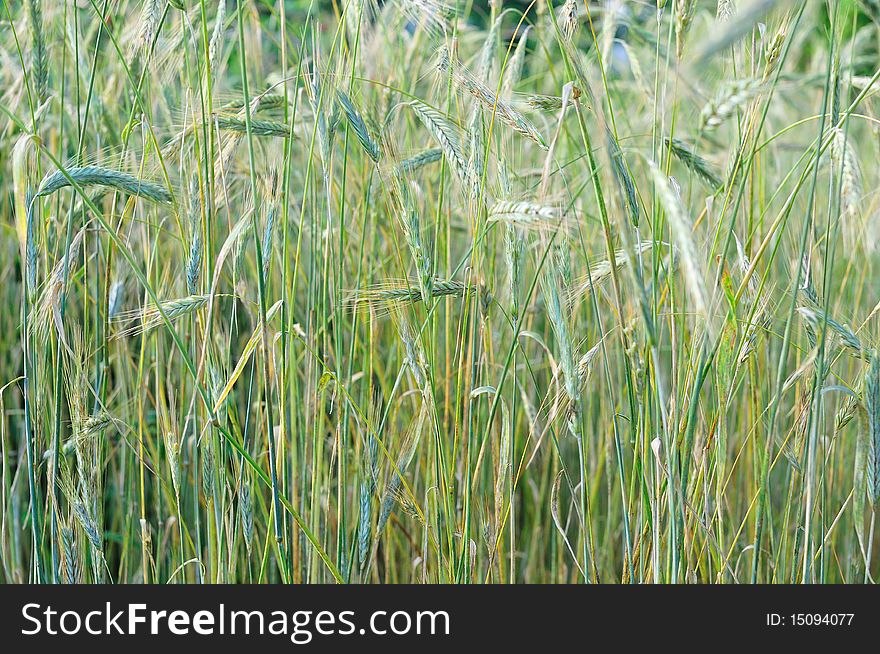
424 292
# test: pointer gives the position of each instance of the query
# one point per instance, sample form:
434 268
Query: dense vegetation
414 292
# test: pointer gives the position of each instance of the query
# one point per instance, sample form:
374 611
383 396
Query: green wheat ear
40 61
358 126
97 176
694 162
258 127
